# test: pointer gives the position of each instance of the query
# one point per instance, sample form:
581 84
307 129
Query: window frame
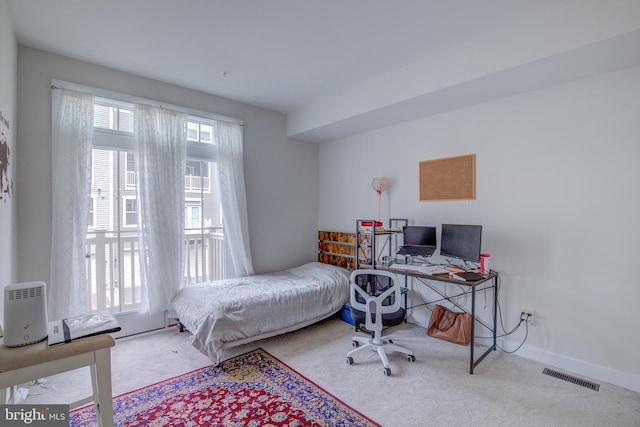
124 140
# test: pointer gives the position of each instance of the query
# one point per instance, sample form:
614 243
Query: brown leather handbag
449 325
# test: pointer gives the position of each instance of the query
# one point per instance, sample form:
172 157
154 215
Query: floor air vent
571 379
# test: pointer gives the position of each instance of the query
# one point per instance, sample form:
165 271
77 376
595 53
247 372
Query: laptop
418 241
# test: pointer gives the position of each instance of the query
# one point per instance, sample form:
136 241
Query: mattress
230 312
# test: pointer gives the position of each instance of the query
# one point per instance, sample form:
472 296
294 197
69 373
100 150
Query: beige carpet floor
435 390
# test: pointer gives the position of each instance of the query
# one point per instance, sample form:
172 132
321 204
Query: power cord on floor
524 318
526 334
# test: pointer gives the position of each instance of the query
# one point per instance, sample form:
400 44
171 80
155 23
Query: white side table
22 364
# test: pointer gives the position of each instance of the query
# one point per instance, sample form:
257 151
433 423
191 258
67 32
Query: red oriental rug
253 389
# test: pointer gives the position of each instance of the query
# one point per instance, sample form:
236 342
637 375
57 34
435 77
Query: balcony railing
130 179
191 182
197 183
113 270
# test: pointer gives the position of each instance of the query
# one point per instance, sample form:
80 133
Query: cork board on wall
451 178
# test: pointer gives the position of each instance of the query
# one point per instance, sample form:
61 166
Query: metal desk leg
473 322
495 313
495 324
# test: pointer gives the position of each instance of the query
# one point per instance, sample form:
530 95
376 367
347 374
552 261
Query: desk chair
375 301
22 364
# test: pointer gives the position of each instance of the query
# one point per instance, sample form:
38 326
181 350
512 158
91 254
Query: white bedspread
231 312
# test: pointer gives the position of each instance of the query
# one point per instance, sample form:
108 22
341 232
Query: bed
231 312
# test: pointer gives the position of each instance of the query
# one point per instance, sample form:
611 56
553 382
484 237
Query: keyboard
416 250
432 270
406 267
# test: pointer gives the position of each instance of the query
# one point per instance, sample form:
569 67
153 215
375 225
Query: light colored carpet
434 390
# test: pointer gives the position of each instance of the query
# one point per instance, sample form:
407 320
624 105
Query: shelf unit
372 242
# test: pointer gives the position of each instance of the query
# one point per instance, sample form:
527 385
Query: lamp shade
379 184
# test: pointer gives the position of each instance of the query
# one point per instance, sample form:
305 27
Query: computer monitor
414 235
461 241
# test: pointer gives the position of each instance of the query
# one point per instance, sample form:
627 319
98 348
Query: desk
489 282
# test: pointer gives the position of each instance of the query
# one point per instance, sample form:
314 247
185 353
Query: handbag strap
453 322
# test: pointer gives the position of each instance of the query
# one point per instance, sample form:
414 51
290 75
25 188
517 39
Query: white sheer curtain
71 141
229 143
160 159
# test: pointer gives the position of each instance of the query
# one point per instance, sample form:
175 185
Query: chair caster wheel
387 372
349 360
355 344
411 358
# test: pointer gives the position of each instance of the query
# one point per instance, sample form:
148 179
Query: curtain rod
113 95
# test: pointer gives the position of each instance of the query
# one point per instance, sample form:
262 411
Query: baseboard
581 368
569 364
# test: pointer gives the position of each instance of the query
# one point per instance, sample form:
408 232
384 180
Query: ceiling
276 54
292 55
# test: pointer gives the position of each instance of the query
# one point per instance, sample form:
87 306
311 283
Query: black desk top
414 271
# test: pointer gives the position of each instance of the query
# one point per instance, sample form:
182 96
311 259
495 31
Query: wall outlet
527 314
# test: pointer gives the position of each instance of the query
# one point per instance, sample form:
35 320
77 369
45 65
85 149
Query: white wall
281 174
557 193
8 207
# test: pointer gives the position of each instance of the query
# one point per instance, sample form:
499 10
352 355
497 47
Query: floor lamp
379 184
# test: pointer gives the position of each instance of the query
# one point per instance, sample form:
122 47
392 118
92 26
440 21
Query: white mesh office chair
376 303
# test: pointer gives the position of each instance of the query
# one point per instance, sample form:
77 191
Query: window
192 210
92 209
109 115
130 171
112 261
130 212
112 234
199 132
